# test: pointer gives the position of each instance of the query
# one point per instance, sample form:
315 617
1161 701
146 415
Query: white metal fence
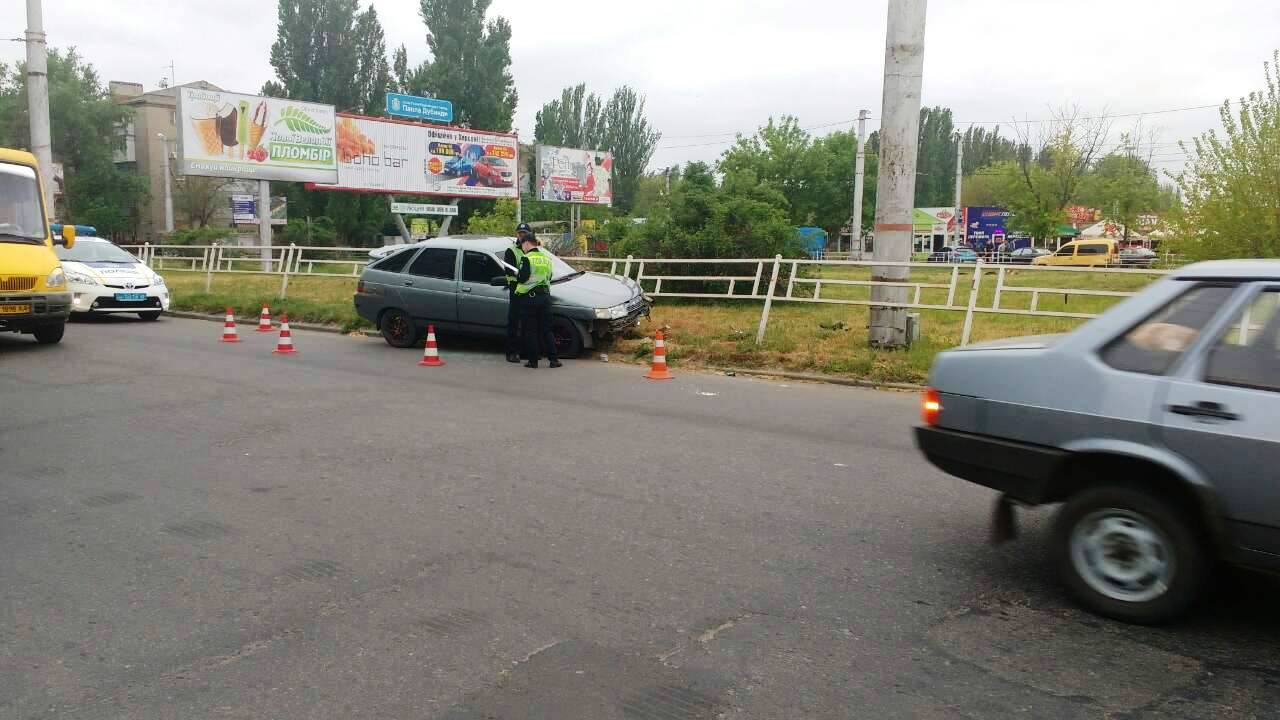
754 279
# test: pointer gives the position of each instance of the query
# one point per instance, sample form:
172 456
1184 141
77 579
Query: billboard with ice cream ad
223 134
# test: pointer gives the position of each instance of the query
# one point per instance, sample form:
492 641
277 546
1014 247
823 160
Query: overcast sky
713 67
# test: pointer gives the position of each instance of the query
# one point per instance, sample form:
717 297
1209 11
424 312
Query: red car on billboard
494 172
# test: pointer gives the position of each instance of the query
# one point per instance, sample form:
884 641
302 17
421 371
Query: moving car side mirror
68 237
498 281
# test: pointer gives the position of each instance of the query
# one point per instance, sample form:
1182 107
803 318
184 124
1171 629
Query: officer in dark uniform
513 257
533 286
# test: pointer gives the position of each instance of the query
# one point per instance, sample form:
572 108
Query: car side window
1066 251
1248 352
1153 345
435 263
478 267
394 263
1094 249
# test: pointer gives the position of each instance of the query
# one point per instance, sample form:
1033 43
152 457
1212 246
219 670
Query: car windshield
21 212
87 251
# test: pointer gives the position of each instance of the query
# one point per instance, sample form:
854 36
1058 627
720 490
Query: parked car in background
1096 252
953 255
1155 425
1137 257
1026 255
446 282
106 279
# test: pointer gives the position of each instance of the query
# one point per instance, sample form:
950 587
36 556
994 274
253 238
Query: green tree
1231 192
1123 186
197 199
328 51
573 120
778 155
936 159
984 148
470 63
631 140
85 124
501 220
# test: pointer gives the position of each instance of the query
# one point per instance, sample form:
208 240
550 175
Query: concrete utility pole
168 189
895 193
859 176
959 211
38 99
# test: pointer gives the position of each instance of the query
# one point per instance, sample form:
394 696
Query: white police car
106 279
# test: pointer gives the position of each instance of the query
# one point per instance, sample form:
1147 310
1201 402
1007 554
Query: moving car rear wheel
1129 555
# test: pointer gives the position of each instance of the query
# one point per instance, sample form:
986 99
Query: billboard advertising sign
984 226
401 208
419 108
569 175
934 220
223 134
394 156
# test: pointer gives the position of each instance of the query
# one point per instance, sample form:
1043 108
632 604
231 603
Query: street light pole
895 191
168 190
859 176
38 97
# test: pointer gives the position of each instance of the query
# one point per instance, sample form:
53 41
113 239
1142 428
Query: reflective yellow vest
511 274
539 273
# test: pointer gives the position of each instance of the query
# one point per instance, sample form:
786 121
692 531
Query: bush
199 236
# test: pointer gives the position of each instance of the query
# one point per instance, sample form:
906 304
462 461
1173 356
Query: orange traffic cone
285 346
658 371
229 333
431 355
264 320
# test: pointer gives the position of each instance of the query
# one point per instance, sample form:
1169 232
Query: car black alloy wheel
398 329
567 338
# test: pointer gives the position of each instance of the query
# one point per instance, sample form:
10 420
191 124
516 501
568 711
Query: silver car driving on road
449 282
1157 424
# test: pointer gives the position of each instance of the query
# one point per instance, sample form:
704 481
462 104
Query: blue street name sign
419 108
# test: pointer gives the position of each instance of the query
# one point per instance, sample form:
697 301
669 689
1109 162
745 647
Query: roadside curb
293 325
828 379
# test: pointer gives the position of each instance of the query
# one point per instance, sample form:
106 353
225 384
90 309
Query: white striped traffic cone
229 334
658 371
431 354
264 320
285 346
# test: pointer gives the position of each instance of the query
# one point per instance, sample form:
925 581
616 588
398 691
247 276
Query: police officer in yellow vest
513 257
533 286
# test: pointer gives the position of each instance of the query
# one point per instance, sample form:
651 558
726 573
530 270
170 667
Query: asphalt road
195 530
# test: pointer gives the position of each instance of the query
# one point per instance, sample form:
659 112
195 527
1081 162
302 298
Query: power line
736 133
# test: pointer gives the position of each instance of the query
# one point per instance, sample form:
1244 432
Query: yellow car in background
33 289
1083 253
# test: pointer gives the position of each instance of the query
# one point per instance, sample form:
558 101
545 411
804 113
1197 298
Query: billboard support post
264 223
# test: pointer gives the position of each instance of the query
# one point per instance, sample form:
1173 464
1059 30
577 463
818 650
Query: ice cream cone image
205 123
258 127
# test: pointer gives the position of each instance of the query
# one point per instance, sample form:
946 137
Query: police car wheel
398 329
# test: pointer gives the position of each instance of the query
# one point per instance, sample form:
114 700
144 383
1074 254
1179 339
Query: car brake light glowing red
930 406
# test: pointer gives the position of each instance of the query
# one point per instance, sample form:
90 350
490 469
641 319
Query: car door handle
408 283
1204 409
466 289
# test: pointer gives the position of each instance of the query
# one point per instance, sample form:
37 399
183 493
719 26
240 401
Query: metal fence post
146 254
973 302
791 283
768 299
640 277
287 263
208 267
755 287
955 280
999 286
626 267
